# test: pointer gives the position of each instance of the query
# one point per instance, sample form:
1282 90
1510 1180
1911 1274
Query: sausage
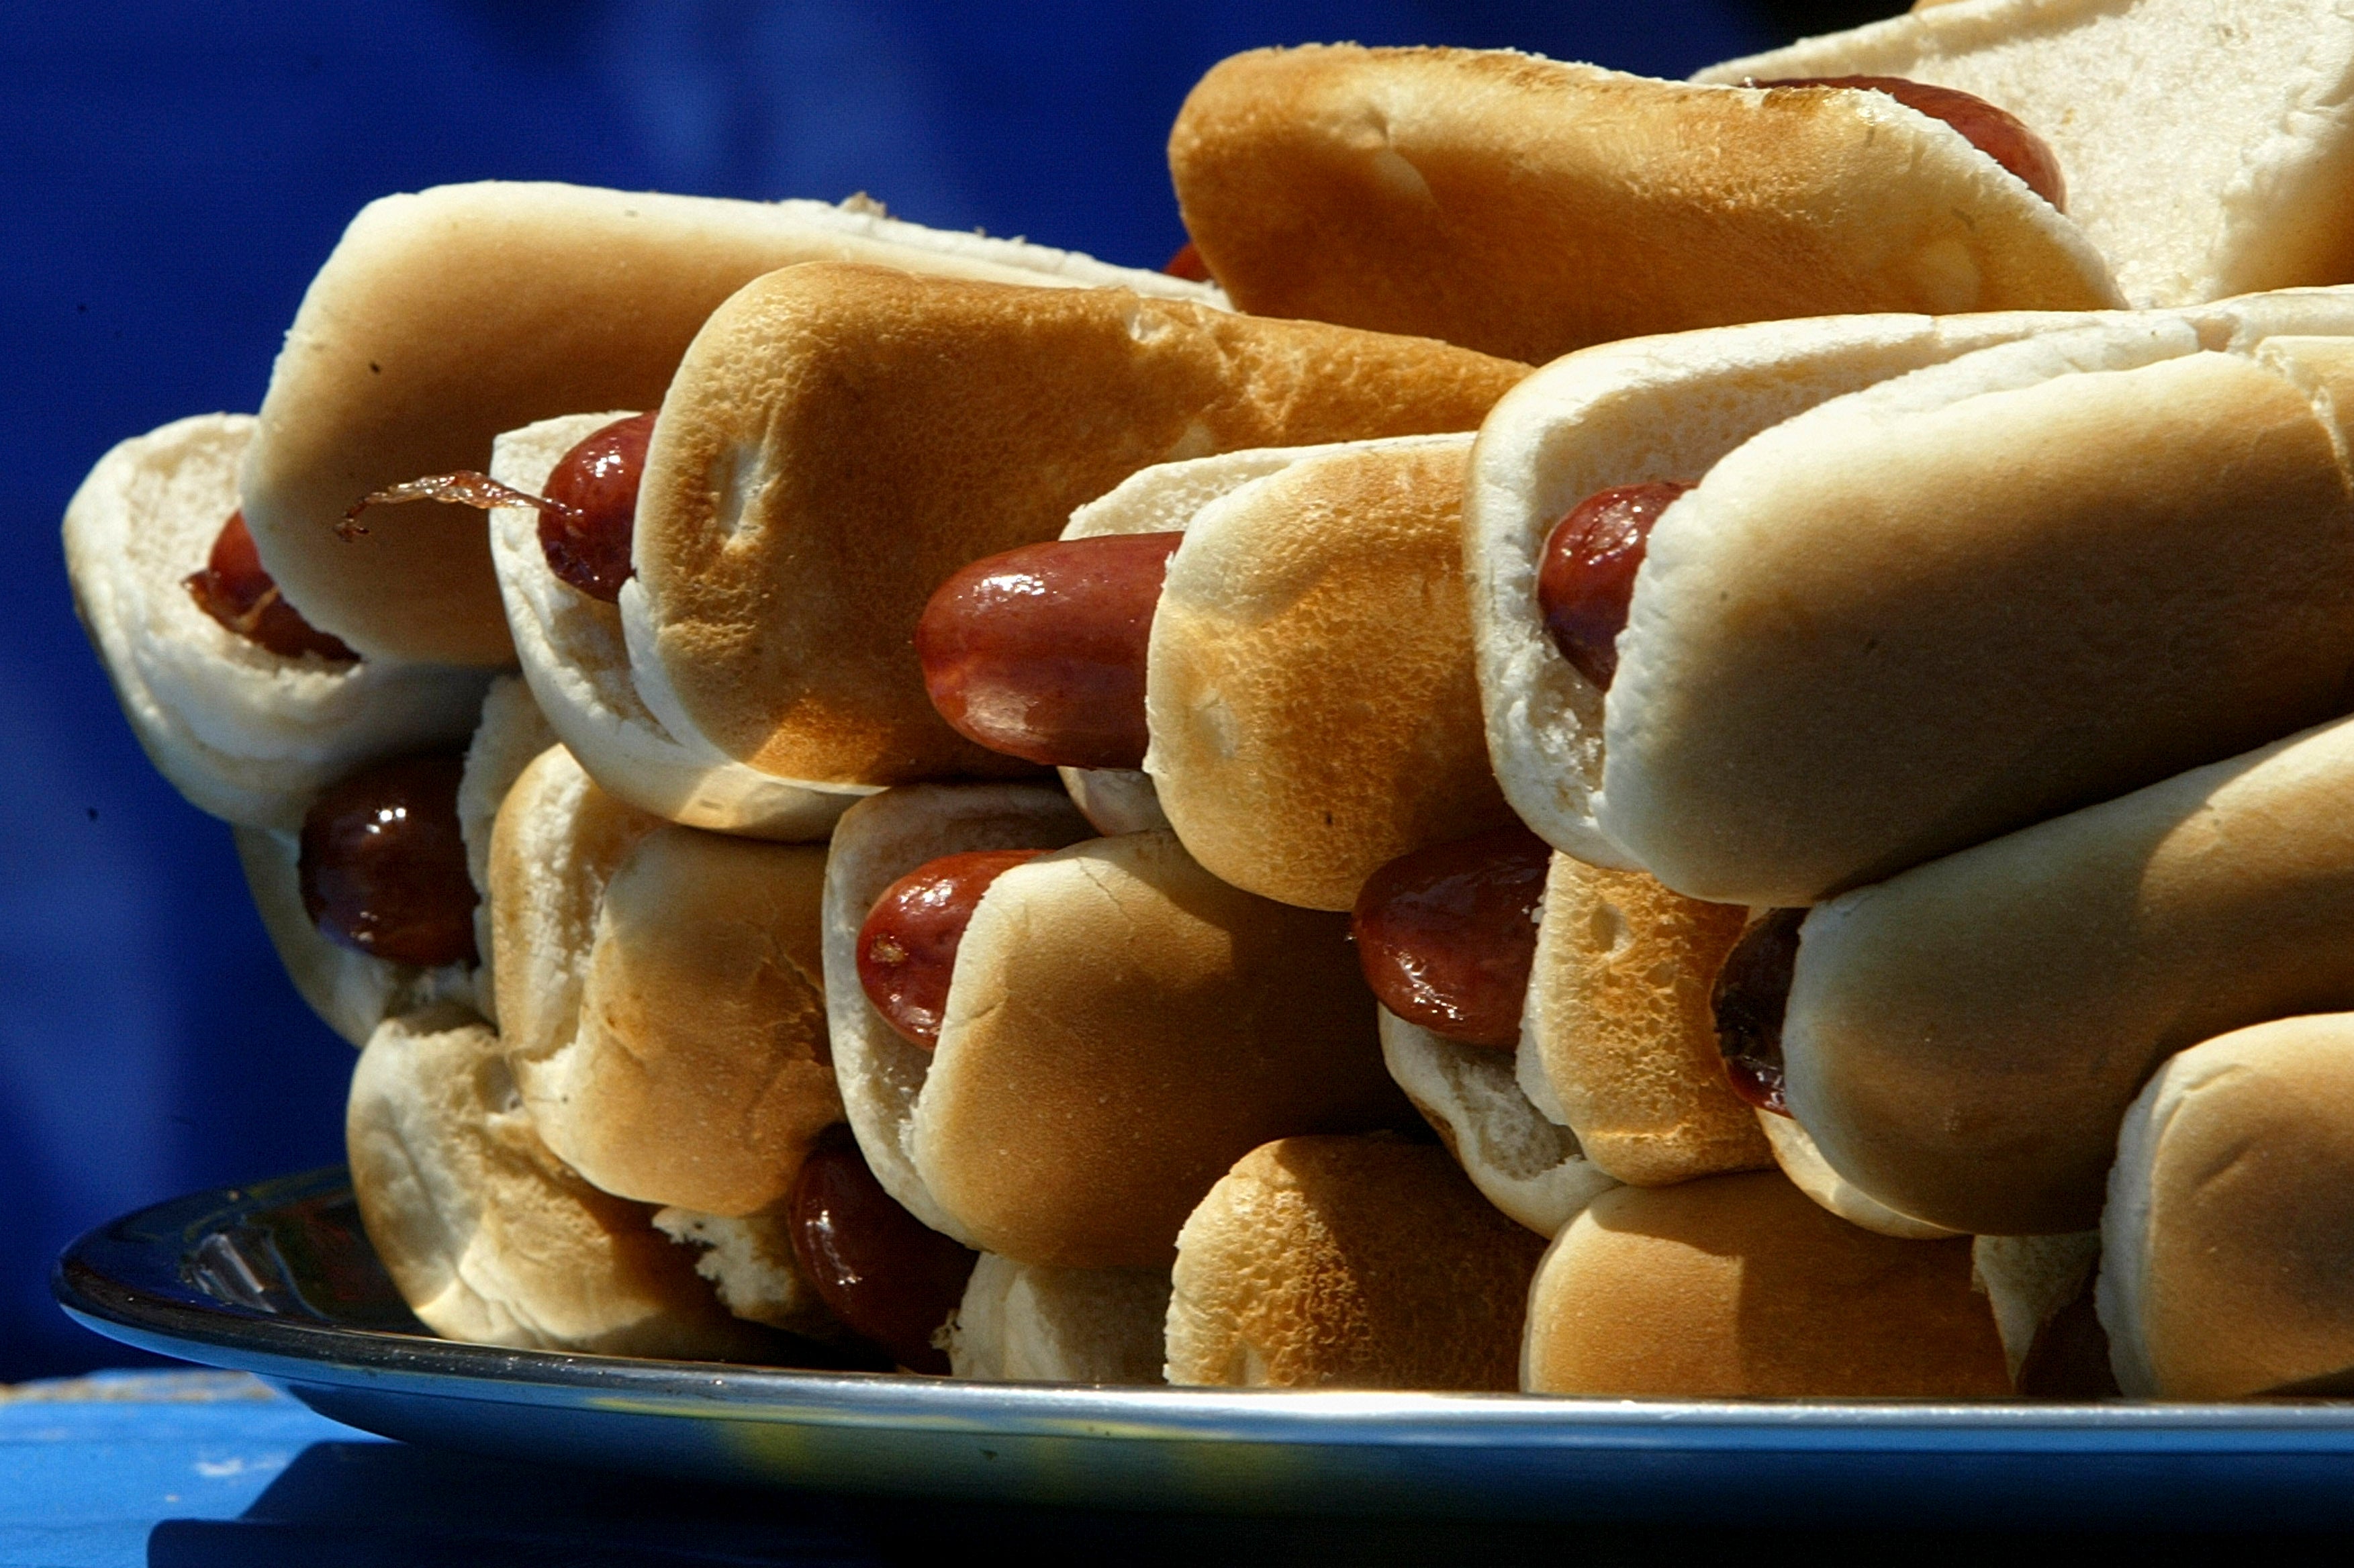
235 591
585 531
1039 652
1188 264
1998 133
1446 935
890 1279
908 946
1587 575
1752 990
383 865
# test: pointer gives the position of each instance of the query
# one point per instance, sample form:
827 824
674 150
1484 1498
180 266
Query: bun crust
2227 1261
445 317
1962 1040
825 407
1738 1286
1133 1025
1362 1262
1313 710
1018 1322
488 1235
1529 208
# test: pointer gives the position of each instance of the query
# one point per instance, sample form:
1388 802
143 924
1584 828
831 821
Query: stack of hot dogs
885 798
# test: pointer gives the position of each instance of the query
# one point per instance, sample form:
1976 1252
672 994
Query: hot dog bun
1655 408
1995 590
572 653
764 616
1364 1262
2203 164
1527 207
488 1235
245 734
1127 1022
1962 1040
445 317
660 995
2227 1241
1027 1323
1739 1286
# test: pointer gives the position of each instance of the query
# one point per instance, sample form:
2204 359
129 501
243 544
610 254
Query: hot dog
1129 1023
1298 666
1962 1040
1529 208
763 619
1363 1262
1739 1286
2223 1246
2256 188
423 337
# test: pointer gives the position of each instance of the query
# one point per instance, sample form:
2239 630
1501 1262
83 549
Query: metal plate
278 1279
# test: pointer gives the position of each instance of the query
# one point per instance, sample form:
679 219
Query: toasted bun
355 992
1736 1286
879 840
826 408
2227 1248
488 1236
1803 1164
1617 1038
749 1260
445 317
662 995
1529 208
1310 687
1023 1322
1363 1262
1133 1026
572 653
1962 1040
1628 413
1995 590
2204 163
245 734
1525 1163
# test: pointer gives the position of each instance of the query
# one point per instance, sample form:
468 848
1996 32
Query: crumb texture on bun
1365 1262
1023 1323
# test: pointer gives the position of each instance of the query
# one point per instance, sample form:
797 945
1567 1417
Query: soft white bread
245 734
2209 149
749 1260
355 992
445 317
1023 1323
1364 1262
1524 1162
1121 1027
840 438
572 653
2029 1281
2227 1247
1527 207
1310 686
661 994
1739 1286
491 1237
1803 1164
1962 1040
1994 589
1627 413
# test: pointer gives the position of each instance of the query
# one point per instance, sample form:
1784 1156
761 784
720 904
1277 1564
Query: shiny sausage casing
889 1277
1039 652
1586 578
586 530
234 590
908 946
1752 991
1446 935
383 865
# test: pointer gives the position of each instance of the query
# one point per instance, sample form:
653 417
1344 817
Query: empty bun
1736 1286
1362 1262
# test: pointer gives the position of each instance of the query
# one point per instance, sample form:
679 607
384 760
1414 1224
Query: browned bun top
1121 1028
841 438
1365 1262
1528 207
1741 1285
1620 1030
1314 711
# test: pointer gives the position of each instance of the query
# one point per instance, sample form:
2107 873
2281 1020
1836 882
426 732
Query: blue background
172 174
